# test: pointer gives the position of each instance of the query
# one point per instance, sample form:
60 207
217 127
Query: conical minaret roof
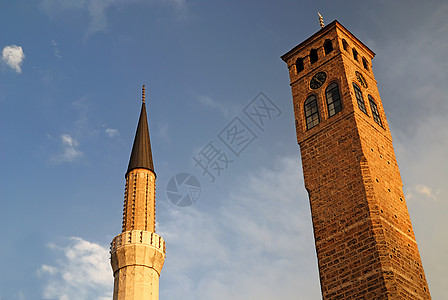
141 155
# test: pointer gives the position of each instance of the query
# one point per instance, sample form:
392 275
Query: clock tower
365 244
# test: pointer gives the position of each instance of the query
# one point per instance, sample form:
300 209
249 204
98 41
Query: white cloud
97 9
56 50
97 13
425 190
70 146
257 245
46 269
13 56
419 190
112 132
163 132
81 271
209 102
70 150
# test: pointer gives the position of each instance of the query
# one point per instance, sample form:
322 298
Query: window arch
299 65
375 113
344 44
359 98
355 54
311 112
328 46
334 103
365 63
313 55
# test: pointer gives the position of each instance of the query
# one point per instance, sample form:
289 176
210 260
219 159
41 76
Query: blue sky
70 90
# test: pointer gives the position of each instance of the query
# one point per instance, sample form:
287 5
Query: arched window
375 113
328 47
358 94
311 112
334 103
365 64
344 45
299 65
313 56
355 54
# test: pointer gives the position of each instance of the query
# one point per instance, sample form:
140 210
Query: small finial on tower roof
143 94
321 20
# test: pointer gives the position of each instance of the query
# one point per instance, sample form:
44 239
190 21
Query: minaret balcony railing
139 237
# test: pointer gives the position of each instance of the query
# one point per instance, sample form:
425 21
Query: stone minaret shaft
138 253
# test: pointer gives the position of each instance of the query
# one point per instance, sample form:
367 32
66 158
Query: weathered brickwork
365 244
139 200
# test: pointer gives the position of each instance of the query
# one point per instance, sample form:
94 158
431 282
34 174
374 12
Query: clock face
361 79
317 80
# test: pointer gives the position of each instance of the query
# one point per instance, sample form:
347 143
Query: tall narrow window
328 47
299 65
355 54
344 45
375 113
313 55
365 64
358 94
311 112
334 103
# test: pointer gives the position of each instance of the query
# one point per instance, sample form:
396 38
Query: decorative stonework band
137 248
138 237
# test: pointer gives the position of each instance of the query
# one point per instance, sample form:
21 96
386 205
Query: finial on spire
143 94
321 20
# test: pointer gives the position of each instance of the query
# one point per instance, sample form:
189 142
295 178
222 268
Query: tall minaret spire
138 253
141 155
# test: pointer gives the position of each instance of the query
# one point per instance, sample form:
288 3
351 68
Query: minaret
366 248
138 253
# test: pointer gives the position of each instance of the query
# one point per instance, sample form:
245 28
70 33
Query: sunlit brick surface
365 244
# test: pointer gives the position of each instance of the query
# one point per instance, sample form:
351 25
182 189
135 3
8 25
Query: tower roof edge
322 31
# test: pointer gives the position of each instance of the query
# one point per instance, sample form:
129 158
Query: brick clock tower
364 240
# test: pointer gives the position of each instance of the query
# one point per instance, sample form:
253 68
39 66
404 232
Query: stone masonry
138 253
364 240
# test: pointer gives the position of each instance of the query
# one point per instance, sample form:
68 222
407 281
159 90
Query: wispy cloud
70 146
112 132
81 271
163 132
257 245
13 56
56 50
212 103
70 150
423 190
97 9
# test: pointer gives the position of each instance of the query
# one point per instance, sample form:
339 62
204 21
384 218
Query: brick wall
365 245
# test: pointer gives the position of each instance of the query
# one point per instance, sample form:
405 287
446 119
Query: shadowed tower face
138 253
364 240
